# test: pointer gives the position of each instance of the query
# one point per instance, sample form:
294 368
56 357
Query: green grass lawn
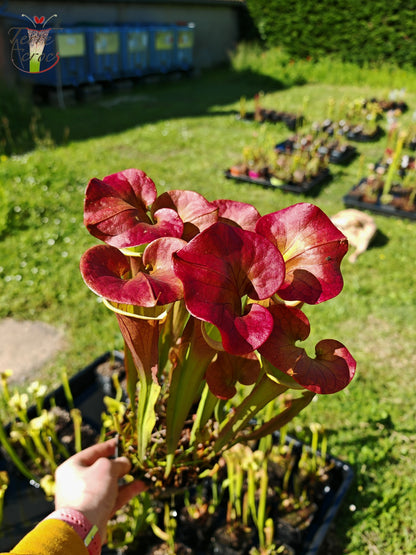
184 135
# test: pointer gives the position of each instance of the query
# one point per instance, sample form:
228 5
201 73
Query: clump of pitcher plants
208 296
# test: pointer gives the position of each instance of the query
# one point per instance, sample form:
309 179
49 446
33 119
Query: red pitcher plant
208 296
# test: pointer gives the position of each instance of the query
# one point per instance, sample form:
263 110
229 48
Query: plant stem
393 166
146 416
67 389
263 392
4 484
294 407
205 409
15 457
186 382
261 511
77 422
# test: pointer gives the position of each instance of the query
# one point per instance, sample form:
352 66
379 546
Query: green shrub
353 30
4 210
277 63
16 116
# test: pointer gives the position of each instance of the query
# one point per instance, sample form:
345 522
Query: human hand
88 482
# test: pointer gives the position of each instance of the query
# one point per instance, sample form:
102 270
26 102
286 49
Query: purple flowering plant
208 297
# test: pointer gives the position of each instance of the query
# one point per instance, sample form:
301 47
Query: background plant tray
335 156
289 187
387 105
378 208
365 138
291 121
25 505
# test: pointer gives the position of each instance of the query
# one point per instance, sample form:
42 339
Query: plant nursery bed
274 183
299 523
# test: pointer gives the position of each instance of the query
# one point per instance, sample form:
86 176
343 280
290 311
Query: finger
127 492
88 456
120 466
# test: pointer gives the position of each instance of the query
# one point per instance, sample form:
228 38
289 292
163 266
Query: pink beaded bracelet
82 526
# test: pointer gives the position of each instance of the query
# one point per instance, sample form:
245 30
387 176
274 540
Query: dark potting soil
201 531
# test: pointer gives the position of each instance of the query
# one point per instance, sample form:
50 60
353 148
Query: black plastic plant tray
330 504
288 187
390 105
341 476
291 121
378 208
335 156
25 505
306 541
351 201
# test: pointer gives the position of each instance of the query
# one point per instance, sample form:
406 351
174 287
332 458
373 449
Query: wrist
82 526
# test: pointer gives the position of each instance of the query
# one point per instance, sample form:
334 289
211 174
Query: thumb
127 492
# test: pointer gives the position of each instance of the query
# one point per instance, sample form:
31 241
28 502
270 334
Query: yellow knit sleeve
51 537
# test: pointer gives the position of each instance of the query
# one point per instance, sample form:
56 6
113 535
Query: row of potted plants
301 162
358 119
297 172
322 143
390 186
297 164
262 114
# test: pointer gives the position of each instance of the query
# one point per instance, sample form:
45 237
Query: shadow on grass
145 103
380 239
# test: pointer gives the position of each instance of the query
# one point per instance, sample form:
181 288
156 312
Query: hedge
352 30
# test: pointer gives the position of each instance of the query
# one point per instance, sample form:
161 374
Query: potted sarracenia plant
208 295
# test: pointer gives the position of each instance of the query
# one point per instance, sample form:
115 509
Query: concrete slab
26 346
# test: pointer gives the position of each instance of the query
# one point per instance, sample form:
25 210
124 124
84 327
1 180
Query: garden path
26 346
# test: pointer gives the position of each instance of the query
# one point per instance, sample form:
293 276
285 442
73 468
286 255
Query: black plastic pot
344 156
